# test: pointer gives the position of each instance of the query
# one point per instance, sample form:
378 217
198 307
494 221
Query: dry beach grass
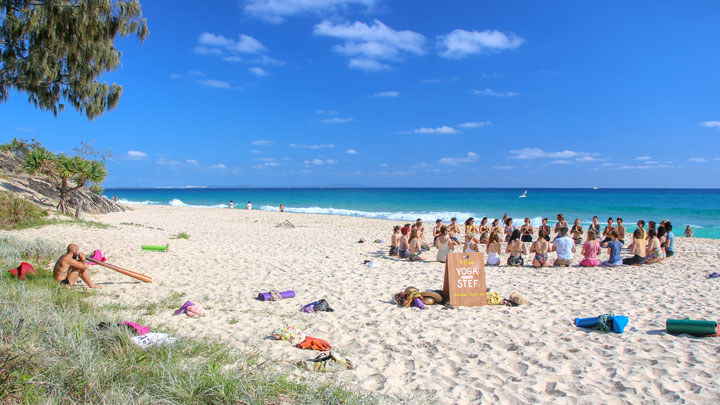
523 354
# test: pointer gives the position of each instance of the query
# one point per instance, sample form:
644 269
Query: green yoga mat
155 248
692 327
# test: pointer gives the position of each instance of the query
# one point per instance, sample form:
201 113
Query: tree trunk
62 204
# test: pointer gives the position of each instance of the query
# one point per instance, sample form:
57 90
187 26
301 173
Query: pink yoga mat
285 294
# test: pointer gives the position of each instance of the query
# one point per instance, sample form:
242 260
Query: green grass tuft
181 235
18 213
51 351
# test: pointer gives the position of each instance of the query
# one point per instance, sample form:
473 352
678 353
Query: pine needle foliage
55 49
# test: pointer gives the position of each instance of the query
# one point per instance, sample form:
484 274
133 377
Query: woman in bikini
527 231
484 230
493 249
496 227
560 224
509 228
516 248
590 250
444 245
415 247
395 241
606 232
545 228
436 231
540 247
470 229
595 226
577 231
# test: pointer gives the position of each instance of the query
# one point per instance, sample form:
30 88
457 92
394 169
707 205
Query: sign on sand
465 279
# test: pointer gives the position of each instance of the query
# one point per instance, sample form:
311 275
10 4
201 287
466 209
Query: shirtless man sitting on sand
68 269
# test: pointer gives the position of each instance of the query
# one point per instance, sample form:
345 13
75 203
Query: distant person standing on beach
249 206
282 208
231 205
689 232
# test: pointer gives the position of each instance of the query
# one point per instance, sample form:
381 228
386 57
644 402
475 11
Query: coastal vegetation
54 50
52 351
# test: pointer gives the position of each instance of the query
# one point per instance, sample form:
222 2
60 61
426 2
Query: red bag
314 344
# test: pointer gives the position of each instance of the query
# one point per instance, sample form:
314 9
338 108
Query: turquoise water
699 208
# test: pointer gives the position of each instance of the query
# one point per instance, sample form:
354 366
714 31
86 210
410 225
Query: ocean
699 208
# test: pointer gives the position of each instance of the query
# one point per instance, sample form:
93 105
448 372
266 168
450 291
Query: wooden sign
465 279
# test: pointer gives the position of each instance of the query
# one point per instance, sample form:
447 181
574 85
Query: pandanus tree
54 50
69 174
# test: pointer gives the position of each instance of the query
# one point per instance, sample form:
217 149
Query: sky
411 93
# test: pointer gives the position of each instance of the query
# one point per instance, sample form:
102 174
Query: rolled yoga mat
155 248
617 323
691 327
285 294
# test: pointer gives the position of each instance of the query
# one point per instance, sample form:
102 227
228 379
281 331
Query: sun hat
22 270
410 289
431 297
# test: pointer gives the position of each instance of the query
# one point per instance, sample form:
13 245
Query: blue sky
408 93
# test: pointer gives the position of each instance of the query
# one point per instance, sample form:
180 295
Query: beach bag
515 261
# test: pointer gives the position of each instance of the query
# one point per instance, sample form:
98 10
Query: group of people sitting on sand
647 246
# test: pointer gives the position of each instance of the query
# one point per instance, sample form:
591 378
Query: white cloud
351 152
454 161
265 164
646 167
643 158
262 142
218 166
474 124
493 93
392 93
697 160
192 162
368 65
244 43
561 162
585 159
537 153
276 11
335 120
324 146
259 72
267 60
320 162
368 44
503 167
443 130
326 112
136 154
255 151
166 162
710 124
217 84
460 43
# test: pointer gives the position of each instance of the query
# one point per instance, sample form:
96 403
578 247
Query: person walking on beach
282 208
231 205
565 247
248 206
71 266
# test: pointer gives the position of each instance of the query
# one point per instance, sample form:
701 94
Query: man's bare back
67 269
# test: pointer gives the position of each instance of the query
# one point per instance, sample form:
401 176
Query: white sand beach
488 354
